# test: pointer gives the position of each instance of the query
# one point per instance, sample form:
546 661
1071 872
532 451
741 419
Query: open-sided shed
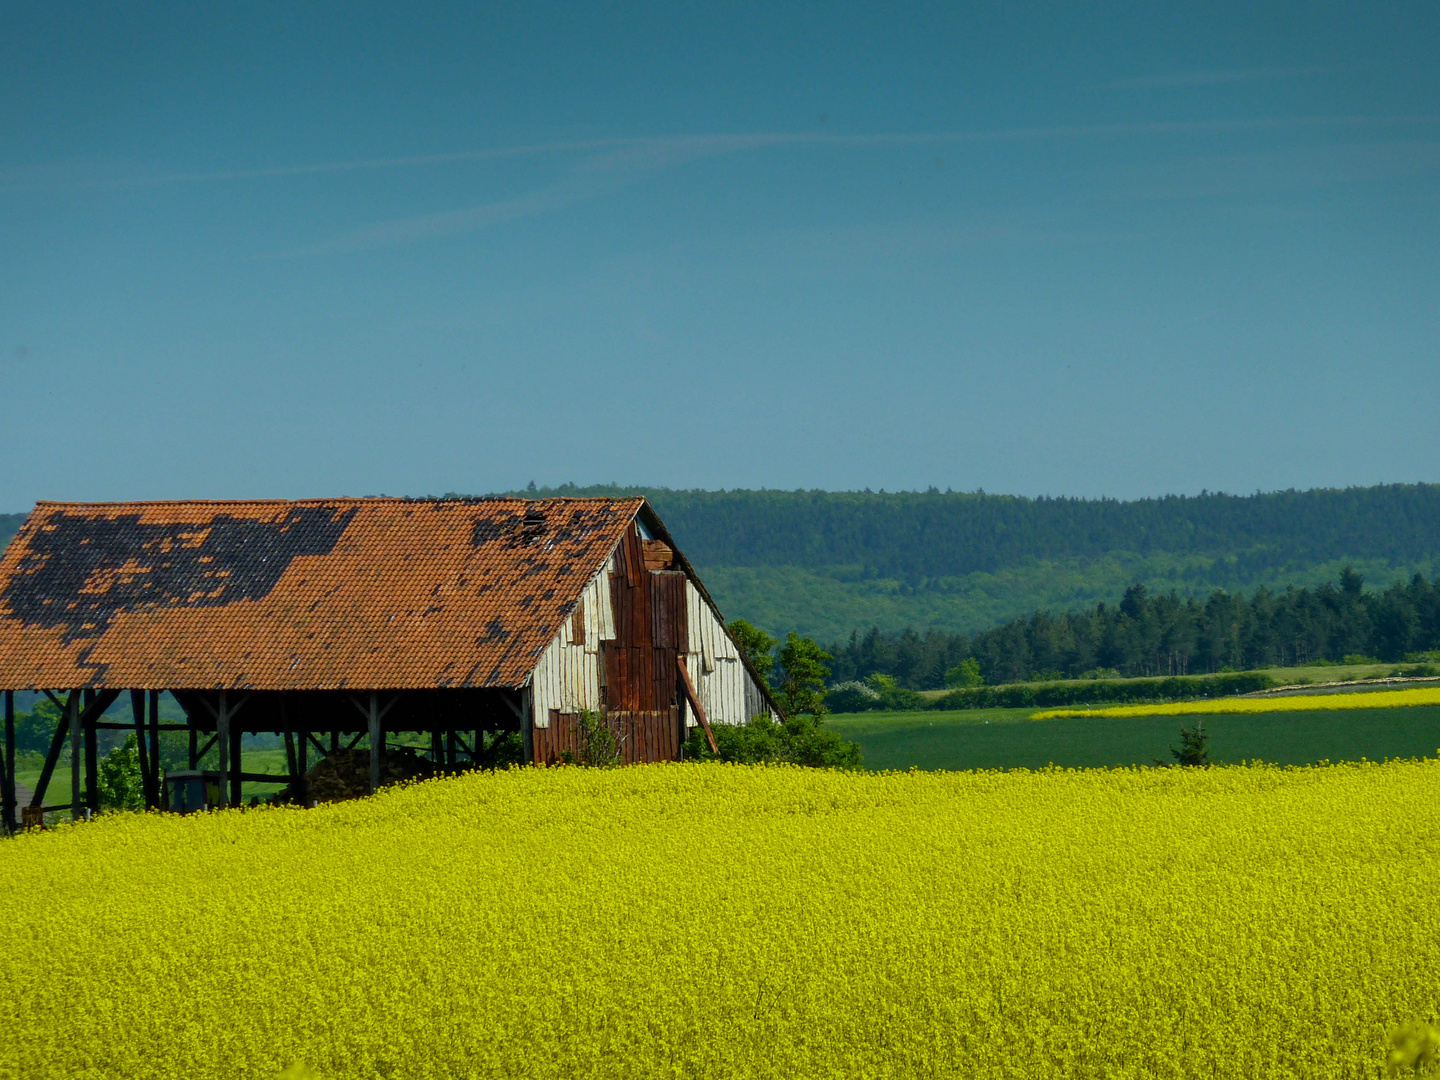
340 618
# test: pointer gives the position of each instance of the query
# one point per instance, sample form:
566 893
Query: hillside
825 563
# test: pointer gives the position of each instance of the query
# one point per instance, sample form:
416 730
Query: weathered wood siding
723 684
617 653
568 676
642 736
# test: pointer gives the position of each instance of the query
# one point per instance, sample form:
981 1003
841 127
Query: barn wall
568 676
722 683
617 652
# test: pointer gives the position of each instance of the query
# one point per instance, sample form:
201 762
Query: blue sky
1119 249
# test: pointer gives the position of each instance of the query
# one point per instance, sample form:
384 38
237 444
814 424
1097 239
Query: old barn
327 621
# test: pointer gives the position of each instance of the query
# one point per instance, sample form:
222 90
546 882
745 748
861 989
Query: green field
1009 739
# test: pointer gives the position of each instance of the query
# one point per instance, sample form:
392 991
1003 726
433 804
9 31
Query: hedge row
1104 692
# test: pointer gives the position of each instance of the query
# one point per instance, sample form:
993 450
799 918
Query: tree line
1161 635
913 535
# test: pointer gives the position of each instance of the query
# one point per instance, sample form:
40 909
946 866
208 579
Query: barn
326 621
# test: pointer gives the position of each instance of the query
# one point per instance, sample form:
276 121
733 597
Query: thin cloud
51 180
1229 75
629 161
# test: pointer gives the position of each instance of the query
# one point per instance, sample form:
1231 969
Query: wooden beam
52 757
142 744
377 741
527 724
301 792
694 700
73 702
156 779
236 763
62 731
106 726
92 758
221 712
7 783
291 764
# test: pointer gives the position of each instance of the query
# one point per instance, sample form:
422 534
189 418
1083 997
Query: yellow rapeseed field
722 921
1375 699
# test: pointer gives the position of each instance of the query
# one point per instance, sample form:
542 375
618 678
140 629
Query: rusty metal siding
642 736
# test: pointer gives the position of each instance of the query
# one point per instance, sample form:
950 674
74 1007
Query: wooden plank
634 560
694 700
72 704
7 782
642 674
158 779
142 746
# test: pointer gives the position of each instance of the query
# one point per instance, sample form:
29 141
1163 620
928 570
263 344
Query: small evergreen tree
1192 750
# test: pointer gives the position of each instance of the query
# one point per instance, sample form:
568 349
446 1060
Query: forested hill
912 535
829 562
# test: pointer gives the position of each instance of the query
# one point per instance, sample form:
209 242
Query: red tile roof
308 595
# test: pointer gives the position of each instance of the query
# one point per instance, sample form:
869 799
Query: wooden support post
7 795
527 724
694 699
222 738
142 745
377 742
72 710
450 749
437 748
334 742
302 758
92 757
156 779
194 743
52 757
291 762
237 766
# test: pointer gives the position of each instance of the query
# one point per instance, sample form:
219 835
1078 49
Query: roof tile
306 595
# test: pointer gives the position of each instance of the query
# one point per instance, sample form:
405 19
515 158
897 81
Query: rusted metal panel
316 594
642 736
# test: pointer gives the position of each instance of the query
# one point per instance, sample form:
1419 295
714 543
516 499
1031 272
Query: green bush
1117 692
965 674
849 697
121 787
892 695
599 745
800 740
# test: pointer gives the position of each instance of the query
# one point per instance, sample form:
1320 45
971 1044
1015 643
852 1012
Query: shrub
966 673
892 695
599 745
849 697
800 740
121 787
1118 692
